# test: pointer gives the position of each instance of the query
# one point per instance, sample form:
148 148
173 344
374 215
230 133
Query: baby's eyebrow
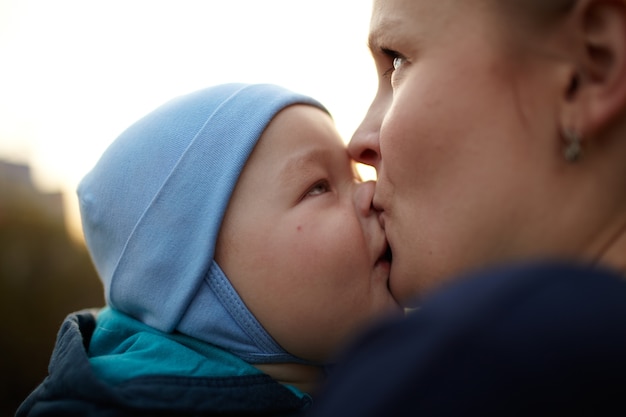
302 161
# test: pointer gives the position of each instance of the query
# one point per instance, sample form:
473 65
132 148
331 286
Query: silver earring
573 147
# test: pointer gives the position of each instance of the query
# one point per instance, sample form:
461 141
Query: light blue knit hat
153 205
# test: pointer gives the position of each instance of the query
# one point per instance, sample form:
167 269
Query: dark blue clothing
74 388
533 340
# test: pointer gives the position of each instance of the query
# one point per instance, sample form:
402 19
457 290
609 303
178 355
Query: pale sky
75 73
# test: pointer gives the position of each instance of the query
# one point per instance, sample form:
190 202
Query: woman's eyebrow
379 30
373 41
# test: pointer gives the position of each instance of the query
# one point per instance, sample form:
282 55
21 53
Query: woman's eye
319 188
397 62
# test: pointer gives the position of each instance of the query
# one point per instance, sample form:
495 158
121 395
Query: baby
238 250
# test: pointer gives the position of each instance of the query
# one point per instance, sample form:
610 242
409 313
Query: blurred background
75 73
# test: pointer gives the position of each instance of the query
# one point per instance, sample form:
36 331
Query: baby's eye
319 188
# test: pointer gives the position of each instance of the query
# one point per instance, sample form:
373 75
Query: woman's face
300 241
457 133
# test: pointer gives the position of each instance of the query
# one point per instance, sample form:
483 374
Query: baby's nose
363 197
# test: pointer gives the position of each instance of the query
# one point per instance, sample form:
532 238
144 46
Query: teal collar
122 348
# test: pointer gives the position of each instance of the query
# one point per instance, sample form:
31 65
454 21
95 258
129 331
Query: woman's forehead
386 13
399 18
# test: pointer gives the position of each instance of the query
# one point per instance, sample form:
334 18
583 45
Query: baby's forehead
299 137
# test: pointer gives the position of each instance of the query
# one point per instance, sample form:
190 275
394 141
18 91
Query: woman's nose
364 147
363 197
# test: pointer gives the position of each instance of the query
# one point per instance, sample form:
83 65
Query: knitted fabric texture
153 205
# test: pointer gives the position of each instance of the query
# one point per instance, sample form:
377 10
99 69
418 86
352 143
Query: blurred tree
44 275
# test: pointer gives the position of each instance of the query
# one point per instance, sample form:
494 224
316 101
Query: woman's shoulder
535 335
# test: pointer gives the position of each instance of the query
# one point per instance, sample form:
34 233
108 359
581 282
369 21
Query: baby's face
300 242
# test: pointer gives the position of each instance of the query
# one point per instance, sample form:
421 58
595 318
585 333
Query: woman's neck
304 377
615 254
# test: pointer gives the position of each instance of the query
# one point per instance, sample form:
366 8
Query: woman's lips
384 261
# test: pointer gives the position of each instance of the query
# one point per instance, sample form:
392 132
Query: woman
497 133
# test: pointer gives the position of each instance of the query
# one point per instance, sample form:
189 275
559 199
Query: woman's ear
597 92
